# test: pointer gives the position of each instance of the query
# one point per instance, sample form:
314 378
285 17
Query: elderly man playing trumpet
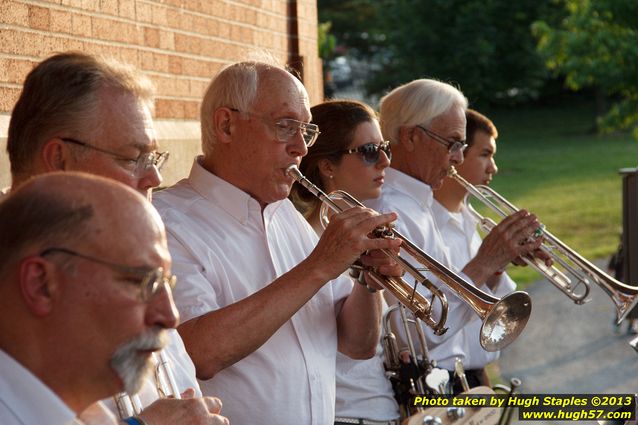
69 264
425 122
265 309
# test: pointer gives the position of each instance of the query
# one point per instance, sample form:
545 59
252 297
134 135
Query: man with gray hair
85 298
265 309
425 122
79 112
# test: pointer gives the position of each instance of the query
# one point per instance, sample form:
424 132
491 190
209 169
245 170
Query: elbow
205 362
358 353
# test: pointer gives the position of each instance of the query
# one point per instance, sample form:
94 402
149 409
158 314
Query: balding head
60 208
83 271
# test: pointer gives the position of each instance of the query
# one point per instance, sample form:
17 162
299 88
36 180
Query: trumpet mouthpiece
293 171
451 171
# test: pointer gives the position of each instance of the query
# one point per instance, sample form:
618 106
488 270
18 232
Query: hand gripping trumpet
624 297
503 319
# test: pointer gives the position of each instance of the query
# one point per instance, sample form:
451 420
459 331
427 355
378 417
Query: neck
451 195
225 171
401 162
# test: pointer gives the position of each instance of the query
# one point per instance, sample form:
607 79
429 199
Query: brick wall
179 44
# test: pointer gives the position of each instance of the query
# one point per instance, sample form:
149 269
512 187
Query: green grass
551 164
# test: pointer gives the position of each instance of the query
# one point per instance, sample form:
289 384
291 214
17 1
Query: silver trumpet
503 319
130 404
624 297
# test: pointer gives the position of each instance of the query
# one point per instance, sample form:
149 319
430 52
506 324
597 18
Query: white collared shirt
412 200
26 400
224 249
461 237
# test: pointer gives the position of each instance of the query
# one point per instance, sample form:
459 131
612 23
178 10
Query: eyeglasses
138 166
371 152
150 280
452 146
286 128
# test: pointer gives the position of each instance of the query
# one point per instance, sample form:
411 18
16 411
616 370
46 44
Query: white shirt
26 400
412 200
363 390
461 237
224 249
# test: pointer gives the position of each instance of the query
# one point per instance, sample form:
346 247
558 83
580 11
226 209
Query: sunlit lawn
551 164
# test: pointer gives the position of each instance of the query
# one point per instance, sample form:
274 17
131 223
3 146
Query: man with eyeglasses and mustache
264 307
425 122
85 298
79 112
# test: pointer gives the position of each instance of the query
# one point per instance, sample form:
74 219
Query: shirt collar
411 187
28 397
237 203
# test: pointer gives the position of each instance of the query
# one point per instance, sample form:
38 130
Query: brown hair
60 95
478 122
337 120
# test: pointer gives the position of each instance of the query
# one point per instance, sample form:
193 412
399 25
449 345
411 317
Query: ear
326 168
37 284
406 138
54 155
223 123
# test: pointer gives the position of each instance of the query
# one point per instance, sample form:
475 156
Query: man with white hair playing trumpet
425 122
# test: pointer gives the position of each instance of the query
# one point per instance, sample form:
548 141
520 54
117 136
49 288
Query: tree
596 46
484 46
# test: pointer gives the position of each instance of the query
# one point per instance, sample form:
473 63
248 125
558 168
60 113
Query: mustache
129 365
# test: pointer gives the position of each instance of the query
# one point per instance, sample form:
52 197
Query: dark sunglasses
370 152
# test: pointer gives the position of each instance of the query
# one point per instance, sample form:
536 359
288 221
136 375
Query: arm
220 338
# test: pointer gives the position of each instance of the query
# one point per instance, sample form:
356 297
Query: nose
384 160
161 309
493 169
296 146
150 178
456 157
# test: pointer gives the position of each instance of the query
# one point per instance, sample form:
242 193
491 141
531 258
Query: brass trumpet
503 319
624 297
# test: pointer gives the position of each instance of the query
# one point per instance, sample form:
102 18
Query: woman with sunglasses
351 155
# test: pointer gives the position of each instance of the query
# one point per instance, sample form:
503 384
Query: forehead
483 141
125 120
281 95
451 121
367 132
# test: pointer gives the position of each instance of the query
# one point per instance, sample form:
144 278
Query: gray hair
416 103
235 86
60 95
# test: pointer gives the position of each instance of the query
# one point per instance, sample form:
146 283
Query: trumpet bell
505 320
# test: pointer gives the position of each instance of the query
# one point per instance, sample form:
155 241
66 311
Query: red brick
39 18
167 40
175 65
151 37
8 98
143 12
13 13
158 15
81 25
61 21
191 110
109 7
17 70
126 8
